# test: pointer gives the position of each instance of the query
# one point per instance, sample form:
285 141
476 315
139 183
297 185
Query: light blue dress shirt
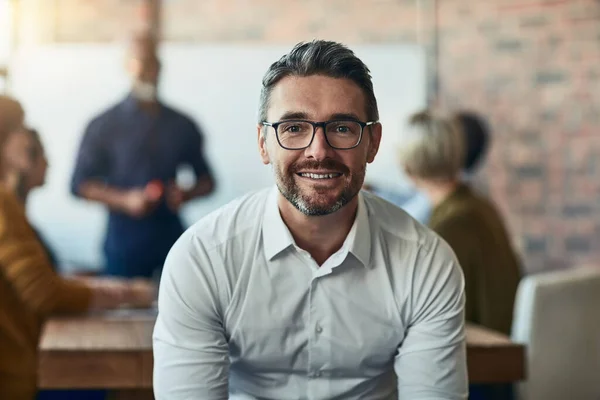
246 314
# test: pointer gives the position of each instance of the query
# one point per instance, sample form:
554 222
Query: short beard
292 193
296 199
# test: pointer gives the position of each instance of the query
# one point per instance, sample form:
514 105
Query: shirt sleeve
431 360
26 267
195 156
191 353
92 162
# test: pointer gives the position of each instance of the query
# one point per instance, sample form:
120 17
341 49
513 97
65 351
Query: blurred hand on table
142 293
110 293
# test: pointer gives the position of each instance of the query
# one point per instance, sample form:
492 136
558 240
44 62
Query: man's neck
148 106
13 182
320 236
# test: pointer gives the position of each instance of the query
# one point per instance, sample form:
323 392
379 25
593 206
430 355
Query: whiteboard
63 86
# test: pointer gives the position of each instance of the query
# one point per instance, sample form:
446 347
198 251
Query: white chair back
557 317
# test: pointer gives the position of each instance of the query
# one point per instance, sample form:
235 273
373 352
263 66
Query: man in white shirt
312 289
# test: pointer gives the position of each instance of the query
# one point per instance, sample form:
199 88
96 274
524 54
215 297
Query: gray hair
432 147
319 57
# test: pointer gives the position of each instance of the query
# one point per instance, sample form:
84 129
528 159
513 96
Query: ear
132 66
262 144
375 139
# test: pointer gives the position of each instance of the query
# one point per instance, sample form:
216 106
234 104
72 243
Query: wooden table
492 357
111 350
114 351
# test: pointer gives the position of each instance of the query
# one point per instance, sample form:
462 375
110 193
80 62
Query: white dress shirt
246 314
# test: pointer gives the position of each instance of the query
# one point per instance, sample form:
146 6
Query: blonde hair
431 147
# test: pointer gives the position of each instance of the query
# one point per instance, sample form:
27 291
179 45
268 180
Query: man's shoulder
396 222
232 219
106 115
178 115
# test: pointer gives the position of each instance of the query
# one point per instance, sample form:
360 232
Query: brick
583 13
550 77
532 209
549 115
529 171
530 137
498 83
509 45
536 244
489 27
554 41
534 21
578 244
579 211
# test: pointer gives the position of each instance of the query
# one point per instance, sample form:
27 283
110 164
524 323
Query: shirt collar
359 237
277 237
131 104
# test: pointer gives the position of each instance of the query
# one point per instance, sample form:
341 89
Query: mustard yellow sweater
30 290
474 229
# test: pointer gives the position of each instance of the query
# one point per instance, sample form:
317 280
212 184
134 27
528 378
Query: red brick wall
275 21
532 66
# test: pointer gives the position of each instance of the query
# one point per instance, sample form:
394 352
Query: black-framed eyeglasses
298 134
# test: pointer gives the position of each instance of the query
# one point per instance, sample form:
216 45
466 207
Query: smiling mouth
312 175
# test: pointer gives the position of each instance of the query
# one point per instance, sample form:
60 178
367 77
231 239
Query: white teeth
319 176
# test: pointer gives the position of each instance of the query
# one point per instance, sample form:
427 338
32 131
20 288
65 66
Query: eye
343 128
292 128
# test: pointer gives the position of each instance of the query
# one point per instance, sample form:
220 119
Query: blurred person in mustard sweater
30 289
432 153
477 141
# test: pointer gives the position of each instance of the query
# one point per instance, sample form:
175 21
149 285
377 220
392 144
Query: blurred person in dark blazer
128 161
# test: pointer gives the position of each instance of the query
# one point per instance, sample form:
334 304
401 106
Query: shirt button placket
315 350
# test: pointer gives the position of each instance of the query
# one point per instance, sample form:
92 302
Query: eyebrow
344 116
293 115
334 117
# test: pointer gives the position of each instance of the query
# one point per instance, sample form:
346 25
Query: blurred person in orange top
34 179
30 289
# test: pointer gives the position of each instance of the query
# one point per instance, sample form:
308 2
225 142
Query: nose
319 149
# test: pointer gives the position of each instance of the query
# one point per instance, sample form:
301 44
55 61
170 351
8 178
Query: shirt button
318 329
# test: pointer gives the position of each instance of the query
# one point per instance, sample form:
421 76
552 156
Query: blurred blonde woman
30 289
432 153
